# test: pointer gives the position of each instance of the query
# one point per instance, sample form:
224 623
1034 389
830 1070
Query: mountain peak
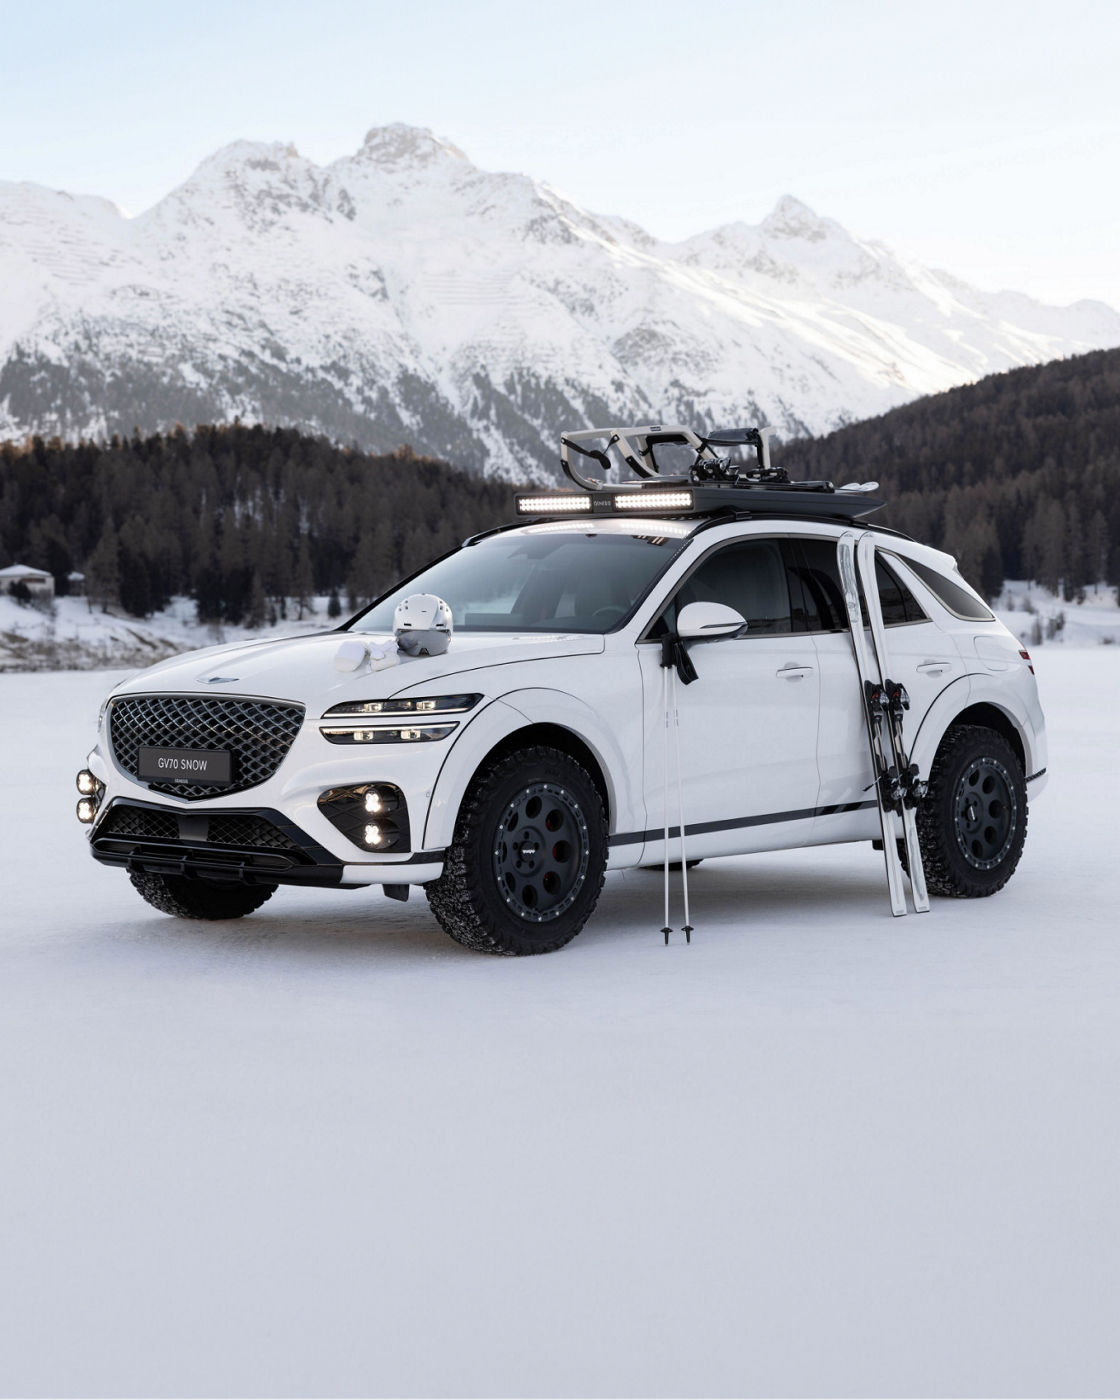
400 144
790 218
400 293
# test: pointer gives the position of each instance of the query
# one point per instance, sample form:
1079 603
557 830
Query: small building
76 583
39 583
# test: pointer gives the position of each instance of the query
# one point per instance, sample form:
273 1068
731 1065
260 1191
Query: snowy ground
71 635
1041 618
326 1151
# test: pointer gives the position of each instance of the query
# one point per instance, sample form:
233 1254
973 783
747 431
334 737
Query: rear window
960 600
898 604
818 573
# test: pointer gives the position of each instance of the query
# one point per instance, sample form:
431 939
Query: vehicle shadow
753 895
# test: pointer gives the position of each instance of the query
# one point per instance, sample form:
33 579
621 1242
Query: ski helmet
422 624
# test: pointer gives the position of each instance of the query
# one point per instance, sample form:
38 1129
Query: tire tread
945 873
459 899
186 898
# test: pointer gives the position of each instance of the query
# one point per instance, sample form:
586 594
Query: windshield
547 582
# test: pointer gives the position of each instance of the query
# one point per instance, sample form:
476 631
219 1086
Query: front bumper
306 849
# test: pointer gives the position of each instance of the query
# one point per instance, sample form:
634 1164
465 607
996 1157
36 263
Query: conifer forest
1018 475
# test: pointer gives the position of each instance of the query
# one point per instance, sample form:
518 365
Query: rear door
920 655
748 724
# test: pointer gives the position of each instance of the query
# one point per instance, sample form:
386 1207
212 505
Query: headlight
439 704
419 734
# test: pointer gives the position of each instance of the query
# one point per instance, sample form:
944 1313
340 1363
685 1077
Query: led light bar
653 500
643 500
553 505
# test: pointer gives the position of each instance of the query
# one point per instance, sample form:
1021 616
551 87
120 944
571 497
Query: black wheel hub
541 852
986 813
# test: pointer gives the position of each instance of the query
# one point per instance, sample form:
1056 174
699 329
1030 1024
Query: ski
895 702
886 780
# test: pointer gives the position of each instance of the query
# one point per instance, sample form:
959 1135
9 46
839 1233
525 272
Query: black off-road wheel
973 821
528 857
199 899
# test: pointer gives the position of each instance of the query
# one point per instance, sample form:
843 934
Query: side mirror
700 620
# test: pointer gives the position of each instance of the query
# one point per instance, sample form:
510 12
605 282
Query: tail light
1027 658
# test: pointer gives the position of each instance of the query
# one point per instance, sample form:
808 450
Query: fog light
372 815
87 810
87 783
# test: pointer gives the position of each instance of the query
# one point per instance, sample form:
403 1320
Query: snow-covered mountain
403 295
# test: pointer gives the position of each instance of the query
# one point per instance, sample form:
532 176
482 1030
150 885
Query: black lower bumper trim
247 869
302 862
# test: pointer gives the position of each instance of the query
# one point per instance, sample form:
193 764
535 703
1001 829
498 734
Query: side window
957 597
813 563
749 577
819 575
897 602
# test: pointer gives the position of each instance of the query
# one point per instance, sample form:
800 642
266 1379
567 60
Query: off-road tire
469 900
199 899
969 751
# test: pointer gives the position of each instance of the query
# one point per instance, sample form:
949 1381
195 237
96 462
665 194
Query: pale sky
980 137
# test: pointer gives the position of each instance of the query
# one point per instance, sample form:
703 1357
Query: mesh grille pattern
254 832
137 821
245 831
258 733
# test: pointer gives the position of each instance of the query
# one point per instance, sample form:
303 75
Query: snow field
324 1150
71 635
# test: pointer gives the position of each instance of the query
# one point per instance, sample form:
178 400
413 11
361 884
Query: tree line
1018 475
246 520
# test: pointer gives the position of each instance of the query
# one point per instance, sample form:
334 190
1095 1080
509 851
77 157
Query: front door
747 725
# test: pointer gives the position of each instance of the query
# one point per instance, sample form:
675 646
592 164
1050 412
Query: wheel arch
510 728
553 736
969 700
990 716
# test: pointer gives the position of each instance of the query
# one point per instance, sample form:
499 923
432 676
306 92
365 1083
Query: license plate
186 765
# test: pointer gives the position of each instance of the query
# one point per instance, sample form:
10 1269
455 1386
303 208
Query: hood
302 668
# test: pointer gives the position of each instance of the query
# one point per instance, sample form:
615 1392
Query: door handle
791 671
932 668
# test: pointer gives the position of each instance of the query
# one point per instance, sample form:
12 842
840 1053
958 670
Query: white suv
507 774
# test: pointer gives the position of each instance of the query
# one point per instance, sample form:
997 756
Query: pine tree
304 581
103 570
257 610
1096 549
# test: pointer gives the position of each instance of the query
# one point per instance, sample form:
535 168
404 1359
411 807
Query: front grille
258 733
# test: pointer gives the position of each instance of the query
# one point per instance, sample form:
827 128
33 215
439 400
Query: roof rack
713 484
